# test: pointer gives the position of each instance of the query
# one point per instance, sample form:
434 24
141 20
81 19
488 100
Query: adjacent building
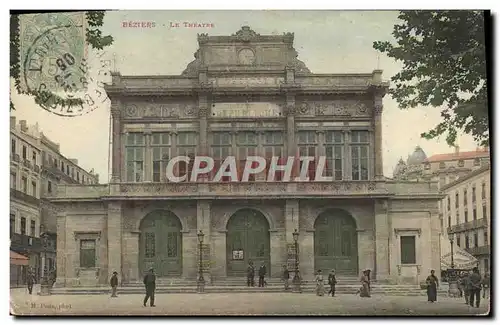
37 168
243 95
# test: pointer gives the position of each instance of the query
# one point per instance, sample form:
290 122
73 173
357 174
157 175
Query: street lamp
452 277
201 279
44 284
296 277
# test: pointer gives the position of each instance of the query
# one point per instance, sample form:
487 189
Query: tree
93 37
444 65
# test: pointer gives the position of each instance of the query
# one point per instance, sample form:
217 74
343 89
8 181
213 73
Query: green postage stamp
53 51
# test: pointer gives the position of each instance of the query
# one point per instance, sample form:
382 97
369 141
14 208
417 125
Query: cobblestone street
237 304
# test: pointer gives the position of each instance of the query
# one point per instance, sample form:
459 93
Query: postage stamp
56 62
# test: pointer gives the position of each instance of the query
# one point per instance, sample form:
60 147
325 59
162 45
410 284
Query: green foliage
444 65
93 37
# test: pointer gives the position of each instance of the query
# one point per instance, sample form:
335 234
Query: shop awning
461 259
18 259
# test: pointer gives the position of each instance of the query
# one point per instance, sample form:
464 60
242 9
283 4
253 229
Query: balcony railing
481 250
24 197
474 224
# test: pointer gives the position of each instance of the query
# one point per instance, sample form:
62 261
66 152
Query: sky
326 41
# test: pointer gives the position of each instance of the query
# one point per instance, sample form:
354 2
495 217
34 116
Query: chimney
24 126
12 122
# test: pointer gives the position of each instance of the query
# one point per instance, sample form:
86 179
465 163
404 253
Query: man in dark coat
475 281
286 277
262 274
114 284
332 281
150 283
30 280
250 274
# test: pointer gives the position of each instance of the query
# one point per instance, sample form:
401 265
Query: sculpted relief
334 107
160 110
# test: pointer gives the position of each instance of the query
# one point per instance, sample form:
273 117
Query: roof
460 155
473 173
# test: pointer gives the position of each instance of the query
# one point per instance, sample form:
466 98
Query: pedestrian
460 284
475 287
250 275
364 291
432 285
262 274
466 286
332 281
486 286
286 277
114 284
320 287
30 281
150 283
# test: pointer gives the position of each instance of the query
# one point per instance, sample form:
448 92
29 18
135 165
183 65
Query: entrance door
161 244
247 240
335 243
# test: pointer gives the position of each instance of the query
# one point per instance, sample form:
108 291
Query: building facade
244 95
467 214
25 218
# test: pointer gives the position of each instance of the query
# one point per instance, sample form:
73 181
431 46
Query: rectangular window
360 143
465 197
32 228
307 144
334 148
449 203
62 166
273 144
25 152
186 146
13 180
246 142
221 148
458 240
476 240
134 149
408 250
483 191
474 214
456 200
13 146
486 265
449 221
12 223
149 244
484 211
485 236
466 216
73 173
87 253
458 219
33 188
23 226
24 185
33 158
67 170
49 186
467 244
78 176
473 195
83 179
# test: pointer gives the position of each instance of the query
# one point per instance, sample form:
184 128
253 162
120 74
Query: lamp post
44 283
452 277
201 279
296 278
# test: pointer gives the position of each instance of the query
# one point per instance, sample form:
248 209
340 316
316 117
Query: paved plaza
237 304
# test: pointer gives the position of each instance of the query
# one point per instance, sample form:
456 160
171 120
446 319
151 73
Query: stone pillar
190 254
203 223
377 124
148 157
347 170
114 234
382 233
306 255
278 253
366 250
130 251
61 250
116 138
218 269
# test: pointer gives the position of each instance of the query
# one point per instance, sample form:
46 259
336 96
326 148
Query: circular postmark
64 77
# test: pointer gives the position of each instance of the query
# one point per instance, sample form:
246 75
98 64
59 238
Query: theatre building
245 95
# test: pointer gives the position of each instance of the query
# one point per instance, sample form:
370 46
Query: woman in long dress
432 284
365 285
320 287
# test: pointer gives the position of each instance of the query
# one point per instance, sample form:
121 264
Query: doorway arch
161 243
336 242
247 240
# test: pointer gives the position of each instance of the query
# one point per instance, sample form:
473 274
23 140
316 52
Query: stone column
61 250
114 234
130 251
347 170
262 176
116 139
203 223
382 233
278 253
366 250
321 143
306 254
290 124
190 254
377 123
203 113
148 157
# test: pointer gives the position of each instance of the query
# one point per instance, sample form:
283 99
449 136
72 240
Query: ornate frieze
334 108
245 34
159 188
161 110
247 81
157 82
336 80
337 187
